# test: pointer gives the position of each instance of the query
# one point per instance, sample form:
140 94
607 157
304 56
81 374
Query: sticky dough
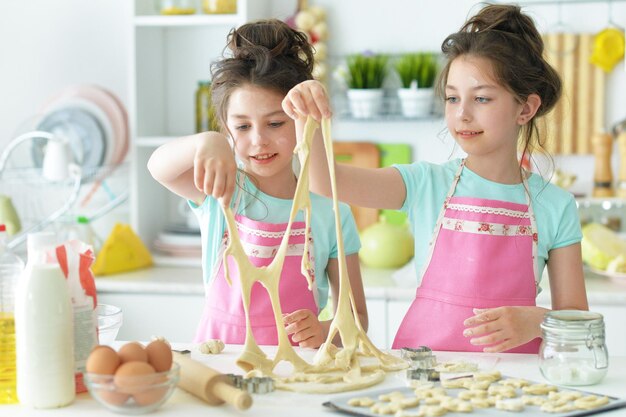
343 362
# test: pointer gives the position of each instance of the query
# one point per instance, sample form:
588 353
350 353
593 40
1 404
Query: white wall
47 45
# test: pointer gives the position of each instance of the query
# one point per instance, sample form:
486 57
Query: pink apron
482 255
224 318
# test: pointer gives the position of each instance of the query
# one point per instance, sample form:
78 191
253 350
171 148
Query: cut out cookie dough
346 322
510 404
539 389
361 402
553 407
456 366
590 402
212 346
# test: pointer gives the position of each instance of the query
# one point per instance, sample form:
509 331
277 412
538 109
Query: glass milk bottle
10 269
44 329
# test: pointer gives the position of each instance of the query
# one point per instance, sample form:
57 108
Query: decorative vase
365 103
416 102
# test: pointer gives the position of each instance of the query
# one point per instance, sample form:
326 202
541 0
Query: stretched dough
346 322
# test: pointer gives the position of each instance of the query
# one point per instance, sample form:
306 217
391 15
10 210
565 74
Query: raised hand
215 169
309 98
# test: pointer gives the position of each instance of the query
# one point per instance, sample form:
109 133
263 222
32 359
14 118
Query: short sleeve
569 231
351 241
413 176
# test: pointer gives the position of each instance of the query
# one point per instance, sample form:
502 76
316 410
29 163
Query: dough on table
456 366
211 346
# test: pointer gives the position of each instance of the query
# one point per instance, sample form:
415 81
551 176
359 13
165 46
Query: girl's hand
214 168
308 98
504 328
304 328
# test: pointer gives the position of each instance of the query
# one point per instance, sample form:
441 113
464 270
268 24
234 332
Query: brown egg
102 360
134 375
159 355
111 397
132 352
152 395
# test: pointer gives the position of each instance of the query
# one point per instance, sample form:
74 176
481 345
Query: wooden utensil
209 385
603 175
365 155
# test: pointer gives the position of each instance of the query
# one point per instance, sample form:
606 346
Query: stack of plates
93 120
183 245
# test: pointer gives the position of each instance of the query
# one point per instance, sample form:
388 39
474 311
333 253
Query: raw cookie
361 402
510 404
590 402
211 346
539 389
460 366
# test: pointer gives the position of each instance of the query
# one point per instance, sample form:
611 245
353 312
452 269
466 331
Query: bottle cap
82 220
40 241
3 228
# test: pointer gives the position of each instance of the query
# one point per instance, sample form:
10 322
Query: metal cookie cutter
254 385
419 358
422 374
422 363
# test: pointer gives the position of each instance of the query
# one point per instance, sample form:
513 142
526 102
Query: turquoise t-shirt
427 186
257 205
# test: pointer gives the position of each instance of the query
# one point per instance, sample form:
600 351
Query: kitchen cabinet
172 316
170 54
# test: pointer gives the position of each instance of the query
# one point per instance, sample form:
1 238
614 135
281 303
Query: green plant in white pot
417 73
365 76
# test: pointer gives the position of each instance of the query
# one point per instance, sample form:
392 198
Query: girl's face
482 116
263 134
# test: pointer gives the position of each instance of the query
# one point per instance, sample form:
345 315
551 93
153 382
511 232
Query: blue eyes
453 99
271 124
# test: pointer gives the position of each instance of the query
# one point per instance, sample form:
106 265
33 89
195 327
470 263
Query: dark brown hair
265 53
509 39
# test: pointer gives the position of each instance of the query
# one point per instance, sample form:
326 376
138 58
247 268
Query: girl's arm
508 327
303 325
196 166
366 187
567 281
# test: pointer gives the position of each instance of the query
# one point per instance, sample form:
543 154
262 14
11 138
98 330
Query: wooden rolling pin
208 384
602 144
621 176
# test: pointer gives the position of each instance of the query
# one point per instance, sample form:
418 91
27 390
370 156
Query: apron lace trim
486 228
489 210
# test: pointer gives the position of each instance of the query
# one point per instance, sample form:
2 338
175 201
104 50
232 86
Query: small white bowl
109 323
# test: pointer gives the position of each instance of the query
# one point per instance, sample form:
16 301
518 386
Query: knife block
602 144
621 176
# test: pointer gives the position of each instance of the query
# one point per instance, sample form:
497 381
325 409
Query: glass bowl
133 394
109 323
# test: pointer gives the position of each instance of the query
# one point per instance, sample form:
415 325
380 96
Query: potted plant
417 73
365 76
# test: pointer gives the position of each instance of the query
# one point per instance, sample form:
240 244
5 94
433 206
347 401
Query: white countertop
283 404
378 284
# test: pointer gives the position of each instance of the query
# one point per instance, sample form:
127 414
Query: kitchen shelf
170 54
186 20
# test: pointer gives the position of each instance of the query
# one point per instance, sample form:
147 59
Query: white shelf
164 260
153 141
170 54
187 20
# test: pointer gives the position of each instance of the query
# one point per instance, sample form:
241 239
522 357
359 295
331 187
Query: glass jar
173 7
219 6
573 351
205 114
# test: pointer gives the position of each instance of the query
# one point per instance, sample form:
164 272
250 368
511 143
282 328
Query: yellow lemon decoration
122 251
608 49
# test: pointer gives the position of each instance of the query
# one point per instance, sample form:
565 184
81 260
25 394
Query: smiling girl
484 228
256 178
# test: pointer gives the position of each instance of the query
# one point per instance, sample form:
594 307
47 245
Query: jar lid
572 320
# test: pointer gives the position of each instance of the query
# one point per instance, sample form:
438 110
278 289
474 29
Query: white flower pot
365 103
416 102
